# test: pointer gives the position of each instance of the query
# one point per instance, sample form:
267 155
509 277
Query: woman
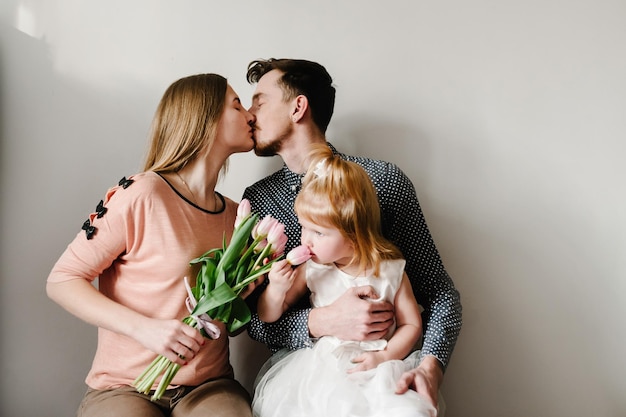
139 242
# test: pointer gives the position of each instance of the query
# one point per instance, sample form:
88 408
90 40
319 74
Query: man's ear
301 105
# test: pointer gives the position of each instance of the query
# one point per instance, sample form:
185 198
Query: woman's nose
250 117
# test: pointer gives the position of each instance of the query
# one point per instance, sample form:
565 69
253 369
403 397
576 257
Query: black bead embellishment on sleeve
101 210
125 183
89 229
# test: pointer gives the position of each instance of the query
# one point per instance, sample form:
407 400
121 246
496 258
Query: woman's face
234 129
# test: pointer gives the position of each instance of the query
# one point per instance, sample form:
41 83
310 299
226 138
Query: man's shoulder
271 184
370 163
379 171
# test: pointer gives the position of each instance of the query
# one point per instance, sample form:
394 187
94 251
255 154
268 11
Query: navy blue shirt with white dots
403 224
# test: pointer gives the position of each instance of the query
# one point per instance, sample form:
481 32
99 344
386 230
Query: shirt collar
293 180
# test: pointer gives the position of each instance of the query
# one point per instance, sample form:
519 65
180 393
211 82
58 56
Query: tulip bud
298 255
243 211
263 227
278 247
275 233
261 244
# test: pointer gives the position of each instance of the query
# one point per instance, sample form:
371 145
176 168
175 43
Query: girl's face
234 129
327 244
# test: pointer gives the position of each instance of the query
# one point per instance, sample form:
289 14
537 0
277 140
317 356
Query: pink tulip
261 244
243 211
298 255
263 227
275 233
279 246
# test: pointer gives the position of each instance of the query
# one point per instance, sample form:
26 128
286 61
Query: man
293 104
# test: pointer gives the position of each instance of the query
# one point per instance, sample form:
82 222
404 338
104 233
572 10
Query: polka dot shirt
403 223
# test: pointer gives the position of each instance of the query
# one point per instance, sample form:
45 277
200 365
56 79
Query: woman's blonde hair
185 122
338 193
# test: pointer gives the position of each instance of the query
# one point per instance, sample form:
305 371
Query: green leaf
207 276
222 313
222 294
238 242
239 315
208 254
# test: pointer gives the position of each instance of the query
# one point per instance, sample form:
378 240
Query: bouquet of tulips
224 273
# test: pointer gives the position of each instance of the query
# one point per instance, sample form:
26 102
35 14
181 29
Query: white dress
313 382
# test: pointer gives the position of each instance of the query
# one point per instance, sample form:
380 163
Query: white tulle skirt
314 383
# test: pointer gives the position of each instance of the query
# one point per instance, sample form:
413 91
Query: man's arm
290 331
405 225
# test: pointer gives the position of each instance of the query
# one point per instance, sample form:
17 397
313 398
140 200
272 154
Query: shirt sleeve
102 239
405 225
291 330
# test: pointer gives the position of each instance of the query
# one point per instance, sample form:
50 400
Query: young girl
340 217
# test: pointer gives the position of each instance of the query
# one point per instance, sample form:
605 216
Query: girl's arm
286 286
408 331
408 322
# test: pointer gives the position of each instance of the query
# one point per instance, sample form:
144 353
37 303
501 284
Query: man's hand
353 316
425 379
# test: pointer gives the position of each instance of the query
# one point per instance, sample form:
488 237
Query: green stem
160 365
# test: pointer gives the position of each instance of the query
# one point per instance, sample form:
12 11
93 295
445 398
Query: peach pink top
142 238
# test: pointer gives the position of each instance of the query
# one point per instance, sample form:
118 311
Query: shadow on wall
62 145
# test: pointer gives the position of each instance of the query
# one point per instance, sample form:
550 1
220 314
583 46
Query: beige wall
508 116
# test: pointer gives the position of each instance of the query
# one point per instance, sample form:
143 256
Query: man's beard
270 148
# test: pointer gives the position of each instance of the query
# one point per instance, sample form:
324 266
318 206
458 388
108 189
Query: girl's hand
367 360
173 339
281 277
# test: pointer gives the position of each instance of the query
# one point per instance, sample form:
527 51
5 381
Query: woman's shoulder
143 183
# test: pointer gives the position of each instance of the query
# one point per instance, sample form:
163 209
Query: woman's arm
170 338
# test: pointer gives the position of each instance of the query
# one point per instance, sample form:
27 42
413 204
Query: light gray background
509 117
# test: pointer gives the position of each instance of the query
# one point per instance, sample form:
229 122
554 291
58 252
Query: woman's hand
173 339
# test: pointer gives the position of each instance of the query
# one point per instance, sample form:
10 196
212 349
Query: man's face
273 115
